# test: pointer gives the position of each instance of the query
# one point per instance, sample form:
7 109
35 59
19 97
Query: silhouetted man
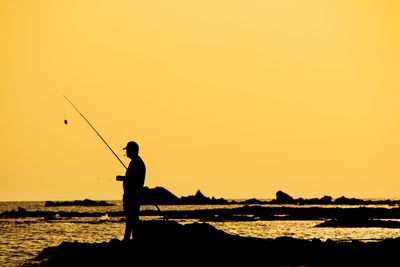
133 182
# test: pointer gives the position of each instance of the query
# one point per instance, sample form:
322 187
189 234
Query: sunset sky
239 99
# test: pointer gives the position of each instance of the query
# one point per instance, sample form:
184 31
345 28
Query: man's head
132 149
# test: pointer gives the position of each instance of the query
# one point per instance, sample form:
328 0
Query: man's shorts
131 207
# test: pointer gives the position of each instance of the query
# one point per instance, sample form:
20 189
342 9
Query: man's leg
135 227
128 228
135 219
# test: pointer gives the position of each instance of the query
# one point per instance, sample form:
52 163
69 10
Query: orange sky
238 99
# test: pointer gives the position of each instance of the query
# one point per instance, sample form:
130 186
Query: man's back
134 177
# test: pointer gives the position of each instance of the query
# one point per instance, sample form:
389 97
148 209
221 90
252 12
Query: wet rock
85 202
200 244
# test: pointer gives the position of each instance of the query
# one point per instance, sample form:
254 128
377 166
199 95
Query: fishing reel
120 178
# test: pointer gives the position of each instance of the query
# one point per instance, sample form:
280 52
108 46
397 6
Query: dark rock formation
162 196
85 202
199 244
252 201
22 213
199 198
244 213
283 198
159 195
319 201
349 201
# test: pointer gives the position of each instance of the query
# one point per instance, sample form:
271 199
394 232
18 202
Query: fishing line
98 134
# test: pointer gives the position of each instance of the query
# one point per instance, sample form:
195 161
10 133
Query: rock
162 196
349 201
158 195
199 244
198 198
85 202
283 198
252 201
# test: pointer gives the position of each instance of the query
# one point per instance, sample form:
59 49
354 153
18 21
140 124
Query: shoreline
174 244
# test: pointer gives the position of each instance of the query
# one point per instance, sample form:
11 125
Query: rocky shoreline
173 244
332 217
85 203
161 196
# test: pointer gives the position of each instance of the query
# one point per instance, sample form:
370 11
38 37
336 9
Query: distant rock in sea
85 202
162 196
252 201
284 198
158 195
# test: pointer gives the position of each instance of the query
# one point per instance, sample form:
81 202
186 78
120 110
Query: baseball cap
131 145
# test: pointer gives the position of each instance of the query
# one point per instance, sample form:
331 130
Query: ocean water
23 238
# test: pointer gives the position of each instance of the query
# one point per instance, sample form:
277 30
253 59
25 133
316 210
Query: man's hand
120 178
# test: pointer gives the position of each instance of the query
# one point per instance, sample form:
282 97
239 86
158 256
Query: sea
22 239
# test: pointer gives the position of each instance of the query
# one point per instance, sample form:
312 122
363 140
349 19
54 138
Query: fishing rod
95 131
104 141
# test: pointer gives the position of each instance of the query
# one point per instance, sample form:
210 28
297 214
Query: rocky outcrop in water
284 198
199 244
85 202
162 196
346 216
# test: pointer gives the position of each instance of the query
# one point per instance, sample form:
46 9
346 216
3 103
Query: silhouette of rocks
323 200
252 210
158 195
85 202
244 213
200 244
348 201
199 198
283 198
162 196
22 213
252 201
